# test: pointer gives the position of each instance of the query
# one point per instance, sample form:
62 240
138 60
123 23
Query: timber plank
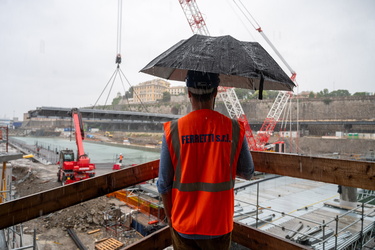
360 174
246 236
254 238
93 231
109 244
157 240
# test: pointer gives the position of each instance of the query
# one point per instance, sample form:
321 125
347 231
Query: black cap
202 80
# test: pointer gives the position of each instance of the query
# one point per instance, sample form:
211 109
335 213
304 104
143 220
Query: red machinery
69 170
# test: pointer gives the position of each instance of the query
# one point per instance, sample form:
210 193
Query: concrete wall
345 148
333 108
344 108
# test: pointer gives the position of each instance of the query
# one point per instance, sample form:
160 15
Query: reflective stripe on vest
203 186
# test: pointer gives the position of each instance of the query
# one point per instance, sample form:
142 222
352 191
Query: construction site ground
86 219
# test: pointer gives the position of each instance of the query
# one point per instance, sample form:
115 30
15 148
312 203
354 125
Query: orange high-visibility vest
204 147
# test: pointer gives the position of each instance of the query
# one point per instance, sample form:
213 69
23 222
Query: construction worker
201 154
120 158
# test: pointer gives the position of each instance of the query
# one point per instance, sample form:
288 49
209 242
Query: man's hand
167 202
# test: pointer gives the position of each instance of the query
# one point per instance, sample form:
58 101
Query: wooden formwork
108 244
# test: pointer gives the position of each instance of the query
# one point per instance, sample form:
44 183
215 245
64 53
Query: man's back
198 161
204 147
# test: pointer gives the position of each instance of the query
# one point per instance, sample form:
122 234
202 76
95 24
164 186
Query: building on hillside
150 91
177 90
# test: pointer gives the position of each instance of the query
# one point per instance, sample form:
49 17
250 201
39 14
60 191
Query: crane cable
253 19
119 27
118 56
117 71
243 23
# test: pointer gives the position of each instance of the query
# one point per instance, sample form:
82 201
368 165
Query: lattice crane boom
194 17
273 117
235 110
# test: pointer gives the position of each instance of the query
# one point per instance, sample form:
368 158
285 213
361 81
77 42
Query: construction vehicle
108 134
71 170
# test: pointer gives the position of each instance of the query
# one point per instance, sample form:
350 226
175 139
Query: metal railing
320 236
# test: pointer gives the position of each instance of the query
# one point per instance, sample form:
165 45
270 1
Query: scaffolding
11 237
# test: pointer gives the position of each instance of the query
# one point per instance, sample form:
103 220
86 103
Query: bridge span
139 121
106 119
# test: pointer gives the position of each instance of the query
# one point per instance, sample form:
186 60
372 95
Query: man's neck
196 105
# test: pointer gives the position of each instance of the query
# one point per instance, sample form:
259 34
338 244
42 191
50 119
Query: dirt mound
29 178
83 217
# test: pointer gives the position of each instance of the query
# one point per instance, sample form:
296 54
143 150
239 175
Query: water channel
98 152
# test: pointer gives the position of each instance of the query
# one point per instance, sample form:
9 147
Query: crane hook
118 58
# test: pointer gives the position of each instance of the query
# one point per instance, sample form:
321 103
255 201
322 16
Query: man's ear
189 94
215 93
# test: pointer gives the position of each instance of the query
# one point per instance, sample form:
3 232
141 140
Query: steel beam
10 157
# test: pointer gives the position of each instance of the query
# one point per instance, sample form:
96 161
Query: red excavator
70 170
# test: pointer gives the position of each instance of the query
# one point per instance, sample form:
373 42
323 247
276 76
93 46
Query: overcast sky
61 53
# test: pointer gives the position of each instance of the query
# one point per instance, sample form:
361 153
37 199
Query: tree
242 94
129 93
323 93
272 94
175 110
340 92
267 94
166 97
116 100
311 95
361 94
